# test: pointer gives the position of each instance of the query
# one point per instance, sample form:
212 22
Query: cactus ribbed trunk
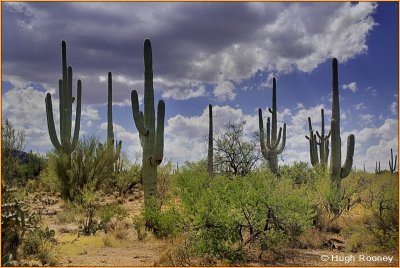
110 131
152 138
210 143
271 148
337 173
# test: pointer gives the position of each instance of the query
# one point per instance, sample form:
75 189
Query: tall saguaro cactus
337 173
271 148
66 145
392 165
210 143
110 131
152 138
323 144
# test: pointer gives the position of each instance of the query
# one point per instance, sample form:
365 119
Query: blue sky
224 54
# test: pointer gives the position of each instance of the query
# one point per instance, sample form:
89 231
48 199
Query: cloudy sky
224 54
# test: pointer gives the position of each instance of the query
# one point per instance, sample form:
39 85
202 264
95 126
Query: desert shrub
48 179
71 213
126 179
164 222
33 166
16 221
12 143
164 180
38 244
300 173
229 215
119 229
90 163
48 254
380 225
108 212
89 223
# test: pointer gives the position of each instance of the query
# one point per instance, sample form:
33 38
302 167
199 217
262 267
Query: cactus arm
349 157
158 154
60 94
262 138
77 115
138 116
283 143
50 123
329 135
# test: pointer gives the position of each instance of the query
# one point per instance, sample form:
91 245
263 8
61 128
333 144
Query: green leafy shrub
164 222
91 163
229 215
127 179
109 212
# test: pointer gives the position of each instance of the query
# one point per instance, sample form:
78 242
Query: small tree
234 155
12 143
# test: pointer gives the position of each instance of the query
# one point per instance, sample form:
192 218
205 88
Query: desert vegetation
84 203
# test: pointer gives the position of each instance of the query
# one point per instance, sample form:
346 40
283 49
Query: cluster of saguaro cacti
337 172
66 99
273 146
152 138
210 143
110 131
392 165
378 167
323 144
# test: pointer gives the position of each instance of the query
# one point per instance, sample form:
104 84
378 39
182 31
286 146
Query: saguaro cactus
377 167
152 139
210 143
271 149
323 144
392 165
110 131
337 173
66 100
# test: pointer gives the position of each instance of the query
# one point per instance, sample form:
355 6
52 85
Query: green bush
111 211
126 179
91 163
227 215
164 222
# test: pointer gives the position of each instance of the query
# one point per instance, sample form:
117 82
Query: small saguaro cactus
323 144
65 94
392 165
337 173
271 148
210 143
378 167
152 138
